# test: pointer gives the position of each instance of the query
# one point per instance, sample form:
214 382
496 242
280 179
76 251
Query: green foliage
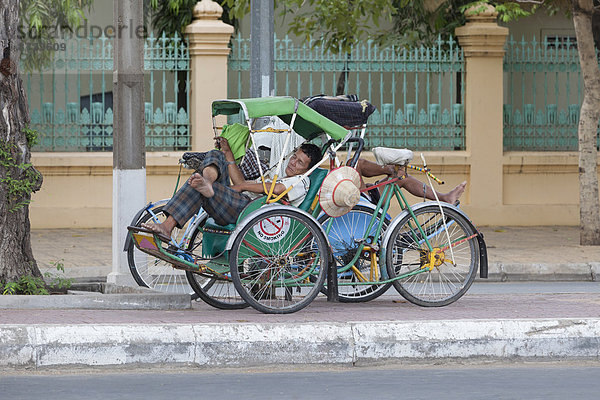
19 188
234 10
31 285
507 10
58 281
418 23
339 23
335 24
32 136
9 288
27 284
41 25
172 16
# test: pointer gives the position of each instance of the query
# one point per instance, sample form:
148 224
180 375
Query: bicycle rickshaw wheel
279 260
152 272
407 252
217 291
343 236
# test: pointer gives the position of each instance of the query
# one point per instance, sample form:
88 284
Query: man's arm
257 187
370 169
234 171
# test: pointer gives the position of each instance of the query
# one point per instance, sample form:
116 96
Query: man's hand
235 174
222 144
389 170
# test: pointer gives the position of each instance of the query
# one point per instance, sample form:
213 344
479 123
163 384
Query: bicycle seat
390 156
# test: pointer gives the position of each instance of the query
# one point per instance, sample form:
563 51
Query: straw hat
340 191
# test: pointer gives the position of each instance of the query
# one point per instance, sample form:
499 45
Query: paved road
534 381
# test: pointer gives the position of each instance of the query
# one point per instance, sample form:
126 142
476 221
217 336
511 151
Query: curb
150 301
113 297
255 344
502 272
539 272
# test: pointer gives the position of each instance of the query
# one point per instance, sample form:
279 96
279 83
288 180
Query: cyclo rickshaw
276 257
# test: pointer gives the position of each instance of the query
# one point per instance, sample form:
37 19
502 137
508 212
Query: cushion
316 178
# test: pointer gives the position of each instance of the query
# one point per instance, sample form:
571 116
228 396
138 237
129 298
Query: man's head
306 157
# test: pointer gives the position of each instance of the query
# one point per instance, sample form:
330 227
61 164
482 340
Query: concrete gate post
208 45
129 154
482 41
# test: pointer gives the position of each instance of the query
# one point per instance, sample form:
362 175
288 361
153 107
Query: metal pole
262 48
129 158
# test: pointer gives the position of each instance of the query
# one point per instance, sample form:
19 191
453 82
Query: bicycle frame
184 241
391 190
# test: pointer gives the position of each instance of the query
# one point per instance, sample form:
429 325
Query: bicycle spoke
346 234
445 275
283 273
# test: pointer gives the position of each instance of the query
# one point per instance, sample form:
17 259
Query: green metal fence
418 92
71 101
543 92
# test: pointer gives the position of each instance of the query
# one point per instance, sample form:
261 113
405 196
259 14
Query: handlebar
361 145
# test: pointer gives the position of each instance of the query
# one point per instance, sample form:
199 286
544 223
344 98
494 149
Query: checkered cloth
193 160
249 166
225 206
345 113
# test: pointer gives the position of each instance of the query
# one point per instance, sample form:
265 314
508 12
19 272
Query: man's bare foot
453 195
202 185
157 228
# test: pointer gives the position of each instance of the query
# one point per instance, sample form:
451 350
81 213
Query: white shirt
295 196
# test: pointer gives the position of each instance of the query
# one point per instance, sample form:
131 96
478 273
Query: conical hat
340 191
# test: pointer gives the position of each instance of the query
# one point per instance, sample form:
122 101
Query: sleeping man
223 199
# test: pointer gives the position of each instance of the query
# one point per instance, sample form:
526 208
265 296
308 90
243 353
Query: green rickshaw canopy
309 123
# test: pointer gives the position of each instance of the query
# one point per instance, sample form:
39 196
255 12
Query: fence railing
71 100
419 93
543 92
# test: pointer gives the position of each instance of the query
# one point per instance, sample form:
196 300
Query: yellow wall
538 188
514 188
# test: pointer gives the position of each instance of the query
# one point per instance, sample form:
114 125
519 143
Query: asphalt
501 319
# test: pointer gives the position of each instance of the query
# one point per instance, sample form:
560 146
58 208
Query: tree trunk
342 78
17 180
589 203
182 92
341 83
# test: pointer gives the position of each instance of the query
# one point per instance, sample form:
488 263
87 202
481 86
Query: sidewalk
483 325
515 253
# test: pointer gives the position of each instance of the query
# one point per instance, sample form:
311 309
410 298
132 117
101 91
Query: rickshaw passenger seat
316 179
211 224
215 236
